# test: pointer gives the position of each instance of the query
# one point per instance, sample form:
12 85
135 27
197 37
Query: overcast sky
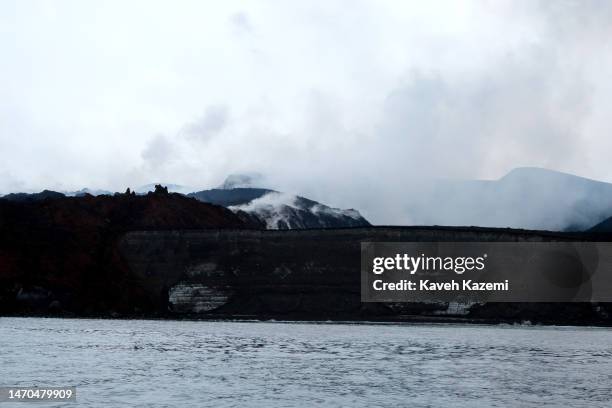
347 102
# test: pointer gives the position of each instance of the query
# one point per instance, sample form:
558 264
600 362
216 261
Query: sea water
157 363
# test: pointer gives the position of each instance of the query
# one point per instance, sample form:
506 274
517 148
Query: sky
346 102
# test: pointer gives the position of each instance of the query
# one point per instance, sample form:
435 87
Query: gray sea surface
156 363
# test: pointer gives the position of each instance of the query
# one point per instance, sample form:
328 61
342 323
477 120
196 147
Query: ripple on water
160 363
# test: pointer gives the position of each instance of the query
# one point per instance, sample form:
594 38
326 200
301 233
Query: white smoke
356 107
269 208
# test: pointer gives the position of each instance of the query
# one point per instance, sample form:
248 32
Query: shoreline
405 321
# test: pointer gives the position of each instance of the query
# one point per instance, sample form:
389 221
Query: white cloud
344 104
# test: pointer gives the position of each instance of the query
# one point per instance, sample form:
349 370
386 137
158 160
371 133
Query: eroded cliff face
60 254
312 274
96 270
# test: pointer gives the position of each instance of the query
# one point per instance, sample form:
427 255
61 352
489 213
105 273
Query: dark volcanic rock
167 255
159 210
311 274
64 249
27 197
604 227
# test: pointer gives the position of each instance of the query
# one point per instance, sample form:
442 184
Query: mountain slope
278 210
230 197
120 212
257 207
32 197
531 198
604 227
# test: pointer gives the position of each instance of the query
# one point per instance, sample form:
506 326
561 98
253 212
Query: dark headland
165 255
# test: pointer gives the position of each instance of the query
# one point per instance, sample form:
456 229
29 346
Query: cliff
165 255
312 274
60 254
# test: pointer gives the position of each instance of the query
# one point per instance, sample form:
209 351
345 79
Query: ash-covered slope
276 210
531 198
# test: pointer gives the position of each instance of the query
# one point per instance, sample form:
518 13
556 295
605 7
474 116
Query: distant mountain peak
278 210
246 180
87 191
542 174
526 197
